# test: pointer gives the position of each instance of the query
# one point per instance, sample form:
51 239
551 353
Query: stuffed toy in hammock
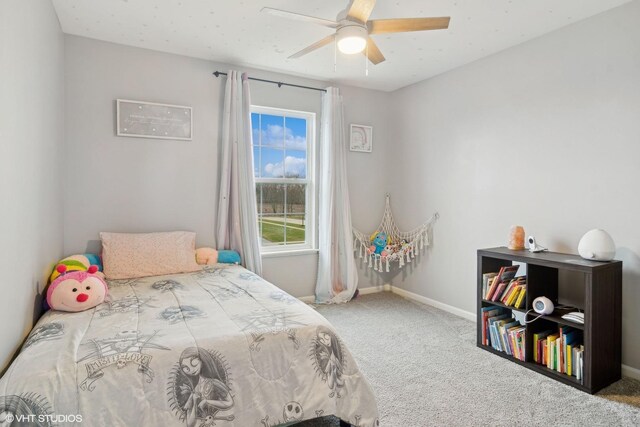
388 244
379 242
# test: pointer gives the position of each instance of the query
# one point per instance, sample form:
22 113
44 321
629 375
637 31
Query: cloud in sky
292 166
274 135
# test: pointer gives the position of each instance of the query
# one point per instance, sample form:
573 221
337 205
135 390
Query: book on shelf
520 343
561 350
494 335
538 350
580 359
488 312
499 290
551 355
487 279
503 277
521 297
504 287
503 332
511 294
512 290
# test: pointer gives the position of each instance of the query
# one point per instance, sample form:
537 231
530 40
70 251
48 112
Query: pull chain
335 54
366 60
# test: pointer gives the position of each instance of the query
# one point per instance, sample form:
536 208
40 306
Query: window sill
286 253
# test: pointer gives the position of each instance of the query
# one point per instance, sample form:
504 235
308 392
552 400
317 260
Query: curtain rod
280 84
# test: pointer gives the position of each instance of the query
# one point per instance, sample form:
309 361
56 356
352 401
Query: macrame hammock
400 246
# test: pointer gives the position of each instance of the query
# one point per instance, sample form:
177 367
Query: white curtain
237 213
337 275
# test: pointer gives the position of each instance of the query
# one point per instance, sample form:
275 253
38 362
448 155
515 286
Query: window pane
272 163
259 206
271 214
296 133
295 164
295 218
272 130
272 198
295 230
255 128
272 230
256 162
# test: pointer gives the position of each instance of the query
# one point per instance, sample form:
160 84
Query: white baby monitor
534 246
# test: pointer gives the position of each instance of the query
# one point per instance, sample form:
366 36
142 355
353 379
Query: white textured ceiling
237 32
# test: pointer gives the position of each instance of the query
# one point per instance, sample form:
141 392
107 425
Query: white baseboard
628 371
437 304
363 291
373 289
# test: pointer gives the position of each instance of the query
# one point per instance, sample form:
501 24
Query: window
283 154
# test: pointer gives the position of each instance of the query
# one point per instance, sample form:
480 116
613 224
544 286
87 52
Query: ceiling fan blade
381 26
361 9
299 17
317 45
372 52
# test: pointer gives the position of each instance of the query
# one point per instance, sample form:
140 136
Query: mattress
219 346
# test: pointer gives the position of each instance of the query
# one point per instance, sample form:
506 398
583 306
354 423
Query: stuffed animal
389 251
378 243
78 263
76 290
206 256
94 260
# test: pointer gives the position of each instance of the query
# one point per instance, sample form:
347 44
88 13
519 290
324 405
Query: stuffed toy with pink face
76 290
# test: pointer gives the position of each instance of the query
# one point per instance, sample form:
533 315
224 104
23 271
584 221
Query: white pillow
131 255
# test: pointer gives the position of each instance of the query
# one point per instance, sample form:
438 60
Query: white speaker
543 305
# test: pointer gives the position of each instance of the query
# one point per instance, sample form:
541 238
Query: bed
220 346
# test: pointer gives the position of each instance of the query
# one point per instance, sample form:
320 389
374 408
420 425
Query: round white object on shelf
543 305
597 245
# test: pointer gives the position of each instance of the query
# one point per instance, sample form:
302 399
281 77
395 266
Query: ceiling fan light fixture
352 39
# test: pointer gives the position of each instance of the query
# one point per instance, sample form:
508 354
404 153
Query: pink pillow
131 255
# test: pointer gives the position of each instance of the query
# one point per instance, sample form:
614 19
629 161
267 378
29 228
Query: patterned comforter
217 347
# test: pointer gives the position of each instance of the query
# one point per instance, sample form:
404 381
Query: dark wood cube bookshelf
602 306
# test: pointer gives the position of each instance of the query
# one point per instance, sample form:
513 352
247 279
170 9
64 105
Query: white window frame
310 182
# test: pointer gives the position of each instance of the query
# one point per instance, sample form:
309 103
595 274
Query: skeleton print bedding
216 347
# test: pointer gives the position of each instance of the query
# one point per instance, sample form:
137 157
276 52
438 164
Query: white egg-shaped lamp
597 245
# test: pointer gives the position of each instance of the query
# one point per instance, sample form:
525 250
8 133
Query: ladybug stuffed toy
76 290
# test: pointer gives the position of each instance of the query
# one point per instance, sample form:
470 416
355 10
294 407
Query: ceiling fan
353 28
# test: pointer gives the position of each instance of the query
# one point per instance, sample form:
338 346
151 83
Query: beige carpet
426 370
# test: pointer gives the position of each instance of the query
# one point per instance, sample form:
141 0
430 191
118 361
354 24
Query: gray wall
135 184
31 162
545 135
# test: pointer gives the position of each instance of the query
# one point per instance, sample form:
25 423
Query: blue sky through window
280 145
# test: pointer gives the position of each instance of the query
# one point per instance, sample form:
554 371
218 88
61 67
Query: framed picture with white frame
361 138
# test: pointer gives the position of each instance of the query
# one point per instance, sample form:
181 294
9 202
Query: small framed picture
361 138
